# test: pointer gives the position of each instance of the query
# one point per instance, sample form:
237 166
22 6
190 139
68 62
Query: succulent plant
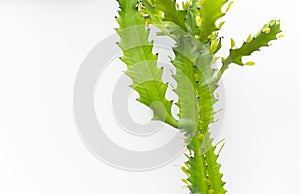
193 27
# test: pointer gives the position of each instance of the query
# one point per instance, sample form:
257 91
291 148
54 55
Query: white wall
42 44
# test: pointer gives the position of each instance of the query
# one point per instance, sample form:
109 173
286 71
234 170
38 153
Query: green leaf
268 33
202 168
141 63
187 97
194 73
170 12
197 169
213 169
211 11
191 22
193 66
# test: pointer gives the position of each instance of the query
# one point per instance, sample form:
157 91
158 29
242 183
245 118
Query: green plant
193 27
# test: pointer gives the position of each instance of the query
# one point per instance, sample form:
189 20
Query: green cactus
193 27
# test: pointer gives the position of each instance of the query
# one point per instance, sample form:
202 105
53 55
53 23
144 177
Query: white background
42 44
